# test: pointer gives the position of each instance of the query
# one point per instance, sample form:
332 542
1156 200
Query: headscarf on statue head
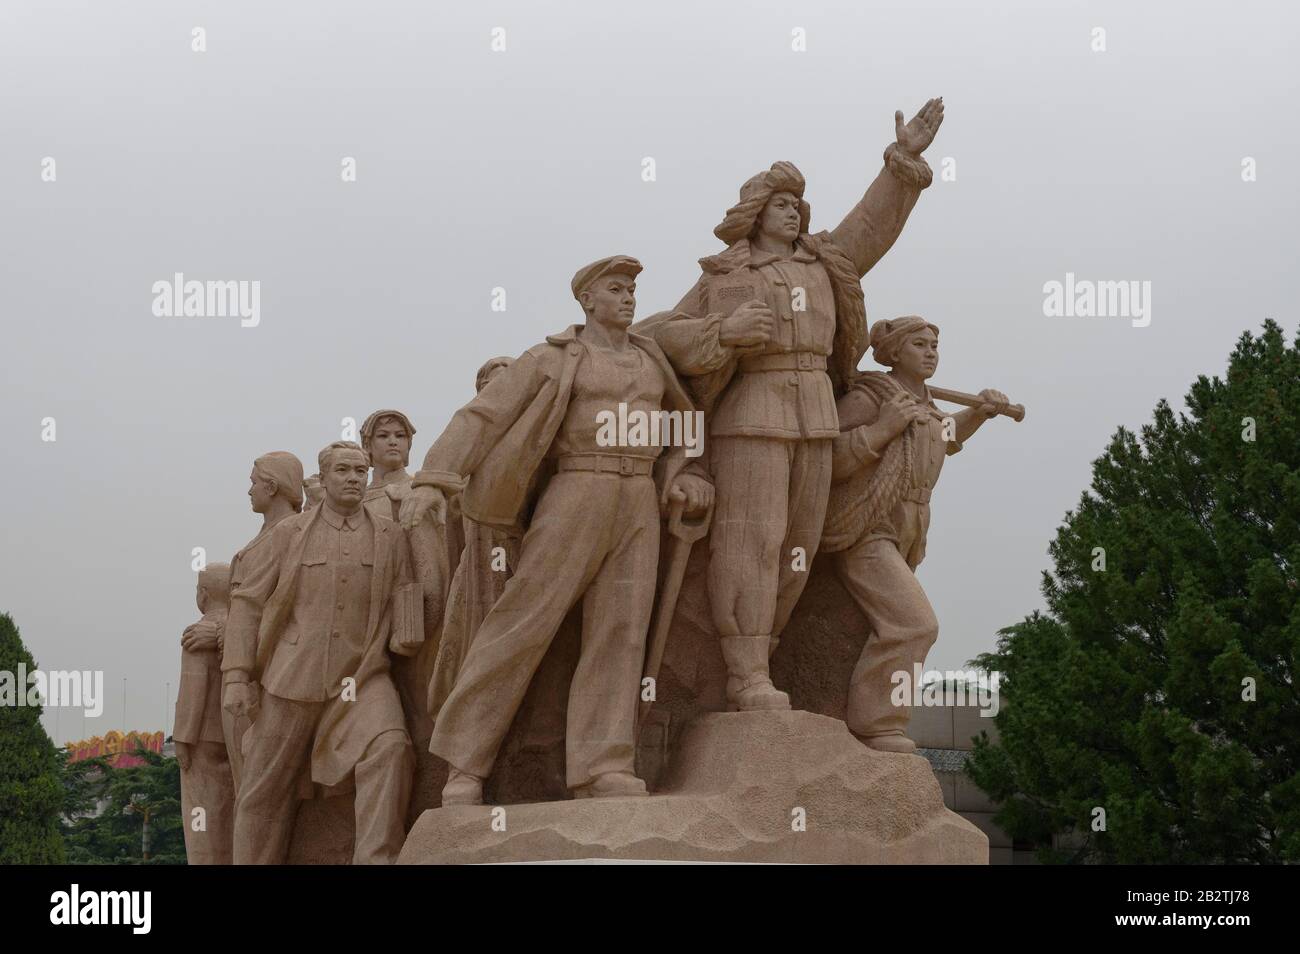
373 421
888 333
286 470
739 224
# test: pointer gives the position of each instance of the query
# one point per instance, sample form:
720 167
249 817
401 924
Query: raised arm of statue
874 224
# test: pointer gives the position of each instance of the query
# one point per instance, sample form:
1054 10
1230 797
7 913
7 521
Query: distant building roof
118 745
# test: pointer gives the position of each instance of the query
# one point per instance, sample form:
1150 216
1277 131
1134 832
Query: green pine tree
1160 686
30 794
140 820
85 786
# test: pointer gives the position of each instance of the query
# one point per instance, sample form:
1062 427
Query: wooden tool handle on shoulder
1014 411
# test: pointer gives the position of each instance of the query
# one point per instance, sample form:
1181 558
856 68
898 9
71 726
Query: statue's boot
612 785
749 687
889 742
462 789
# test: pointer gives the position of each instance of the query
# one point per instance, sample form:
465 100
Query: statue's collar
570 334
741 255
392 477
758 257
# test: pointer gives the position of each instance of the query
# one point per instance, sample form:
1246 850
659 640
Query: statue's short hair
215 578
286 470
323 458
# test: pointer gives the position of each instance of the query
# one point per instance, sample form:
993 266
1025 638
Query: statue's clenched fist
752 324
994 399
421 501
402 645
695 492
241 699
900 411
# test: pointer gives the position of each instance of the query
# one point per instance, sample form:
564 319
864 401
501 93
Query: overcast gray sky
478 169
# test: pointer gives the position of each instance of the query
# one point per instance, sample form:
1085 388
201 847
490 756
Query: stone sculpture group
376 606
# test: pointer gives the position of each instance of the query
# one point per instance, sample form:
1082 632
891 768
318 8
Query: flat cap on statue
614 265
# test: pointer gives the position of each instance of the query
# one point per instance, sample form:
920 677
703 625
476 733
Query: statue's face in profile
780 218
344 477
611 300
389 444
918 355
261 492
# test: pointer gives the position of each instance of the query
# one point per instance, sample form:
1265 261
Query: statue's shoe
612 785
749 684
462 789
759 696
889 742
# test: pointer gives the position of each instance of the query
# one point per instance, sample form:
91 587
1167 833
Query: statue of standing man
314 621
766 341
206 781
275 489
593 535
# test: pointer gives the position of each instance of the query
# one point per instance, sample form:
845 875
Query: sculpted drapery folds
524 514
206 780
314 622
767 339
487 559
275 491
886 462
592 534
386 437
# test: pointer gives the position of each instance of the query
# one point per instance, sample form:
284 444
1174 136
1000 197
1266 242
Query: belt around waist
920 495
607 464
790 361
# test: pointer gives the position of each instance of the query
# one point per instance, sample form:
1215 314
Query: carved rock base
732 794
